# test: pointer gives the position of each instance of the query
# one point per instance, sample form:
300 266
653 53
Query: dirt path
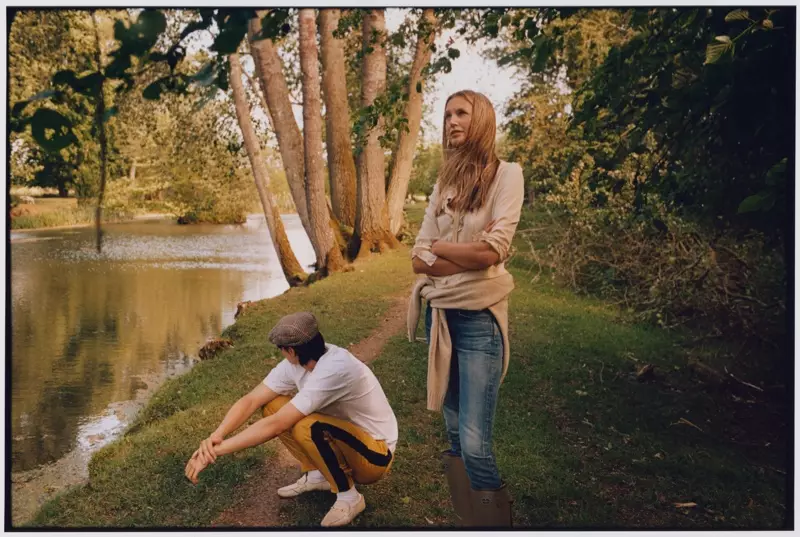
393 322
257 504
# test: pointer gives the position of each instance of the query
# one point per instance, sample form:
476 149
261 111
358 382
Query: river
93 335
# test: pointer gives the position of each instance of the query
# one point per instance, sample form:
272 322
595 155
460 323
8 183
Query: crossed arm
259 432
455 257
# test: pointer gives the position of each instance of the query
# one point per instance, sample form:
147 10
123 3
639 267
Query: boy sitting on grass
339 425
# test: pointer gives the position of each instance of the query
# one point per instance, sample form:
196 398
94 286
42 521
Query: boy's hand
206 450
194 467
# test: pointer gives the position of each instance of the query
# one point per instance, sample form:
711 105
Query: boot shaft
491 508
458 482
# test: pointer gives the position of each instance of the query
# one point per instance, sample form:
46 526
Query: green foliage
661 137
661 268
720 126
146 168
61 136
51 130
536 133
138 42
184 160
425 168
390 104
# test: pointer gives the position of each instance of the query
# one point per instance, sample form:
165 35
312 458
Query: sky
470 71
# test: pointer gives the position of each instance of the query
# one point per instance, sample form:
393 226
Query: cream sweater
472 289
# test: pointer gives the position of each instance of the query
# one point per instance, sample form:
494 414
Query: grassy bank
57 212
138 481
581 440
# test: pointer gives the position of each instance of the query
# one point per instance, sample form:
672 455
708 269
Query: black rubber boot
458 481
491 508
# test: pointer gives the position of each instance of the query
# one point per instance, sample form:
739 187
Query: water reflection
87 328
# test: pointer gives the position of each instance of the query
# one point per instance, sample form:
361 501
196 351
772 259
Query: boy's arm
261 431
235 417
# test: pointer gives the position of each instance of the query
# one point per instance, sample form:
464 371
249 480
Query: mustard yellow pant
344 452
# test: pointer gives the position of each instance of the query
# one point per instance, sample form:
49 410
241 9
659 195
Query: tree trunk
403 154
341 167
372 219
276 93
100 112
329 258
291 267
261 99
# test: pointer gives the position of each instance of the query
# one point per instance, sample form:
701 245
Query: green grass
580 441
55 212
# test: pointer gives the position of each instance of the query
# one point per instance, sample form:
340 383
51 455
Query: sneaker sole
287 495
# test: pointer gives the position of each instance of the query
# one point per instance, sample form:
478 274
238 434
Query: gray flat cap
294 329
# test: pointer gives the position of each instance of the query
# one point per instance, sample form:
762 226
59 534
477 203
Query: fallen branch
775 470
684 421
743 382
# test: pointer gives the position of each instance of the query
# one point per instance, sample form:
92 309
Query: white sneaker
343 512
302 485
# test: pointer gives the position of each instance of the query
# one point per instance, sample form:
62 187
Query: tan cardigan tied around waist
475 295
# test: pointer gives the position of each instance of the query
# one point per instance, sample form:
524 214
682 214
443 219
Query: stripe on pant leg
318 430
329 457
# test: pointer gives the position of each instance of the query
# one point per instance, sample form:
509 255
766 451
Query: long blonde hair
470 168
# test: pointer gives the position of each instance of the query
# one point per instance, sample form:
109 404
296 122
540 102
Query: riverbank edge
134 218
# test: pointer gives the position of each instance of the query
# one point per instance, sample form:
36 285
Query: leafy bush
661 267
425 169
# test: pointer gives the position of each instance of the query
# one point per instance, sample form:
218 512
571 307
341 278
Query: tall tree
403 154
329 258
100 112
372 219
291 267
276 92
341 166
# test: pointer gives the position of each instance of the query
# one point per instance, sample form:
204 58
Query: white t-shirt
340 386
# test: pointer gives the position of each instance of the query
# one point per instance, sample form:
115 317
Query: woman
464 239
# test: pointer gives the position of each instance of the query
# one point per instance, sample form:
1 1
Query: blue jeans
469 404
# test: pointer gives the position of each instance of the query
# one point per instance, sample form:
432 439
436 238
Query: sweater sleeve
506 210
428 232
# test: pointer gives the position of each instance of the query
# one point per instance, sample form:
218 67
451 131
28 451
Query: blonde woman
464 239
